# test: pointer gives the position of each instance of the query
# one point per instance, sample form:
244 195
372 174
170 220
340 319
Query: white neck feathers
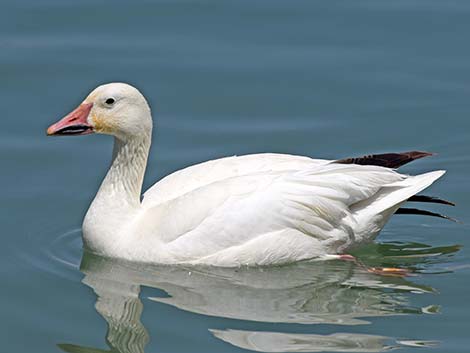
118 198
123 182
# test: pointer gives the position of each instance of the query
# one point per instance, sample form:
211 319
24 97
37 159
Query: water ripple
59 254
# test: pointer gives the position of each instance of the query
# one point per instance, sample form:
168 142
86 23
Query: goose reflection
292 342
338 293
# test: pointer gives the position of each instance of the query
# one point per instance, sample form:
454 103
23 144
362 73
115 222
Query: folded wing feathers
347 183
328 200
321 198
351 196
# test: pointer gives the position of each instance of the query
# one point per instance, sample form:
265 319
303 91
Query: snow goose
260 209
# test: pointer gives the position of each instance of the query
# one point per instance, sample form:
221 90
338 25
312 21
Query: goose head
116 109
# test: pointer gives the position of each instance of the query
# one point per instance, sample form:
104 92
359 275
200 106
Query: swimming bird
259 209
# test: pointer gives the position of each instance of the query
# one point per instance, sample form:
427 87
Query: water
321 78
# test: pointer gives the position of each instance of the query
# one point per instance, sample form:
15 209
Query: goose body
259 209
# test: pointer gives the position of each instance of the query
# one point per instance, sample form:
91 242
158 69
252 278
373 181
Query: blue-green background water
327 79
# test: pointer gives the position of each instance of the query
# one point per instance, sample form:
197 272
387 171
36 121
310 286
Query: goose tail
372 214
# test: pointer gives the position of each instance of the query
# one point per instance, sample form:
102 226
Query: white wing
282 215
196 176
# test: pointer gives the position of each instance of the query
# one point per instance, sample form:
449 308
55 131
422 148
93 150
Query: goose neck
123 182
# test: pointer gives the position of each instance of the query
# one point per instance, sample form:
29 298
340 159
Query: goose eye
110 101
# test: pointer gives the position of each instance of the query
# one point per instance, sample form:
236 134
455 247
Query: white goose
260 209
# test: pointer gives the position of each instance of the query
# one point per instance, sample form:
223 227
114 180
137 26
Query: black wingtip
416 211
388 160
430 199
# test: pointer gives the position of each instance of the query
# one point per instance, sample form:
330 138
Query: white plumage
259 209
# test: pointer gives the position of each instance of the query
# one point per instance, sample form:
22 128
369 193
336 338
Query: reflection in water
338 293
313 293
294 342
119 304
291 342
